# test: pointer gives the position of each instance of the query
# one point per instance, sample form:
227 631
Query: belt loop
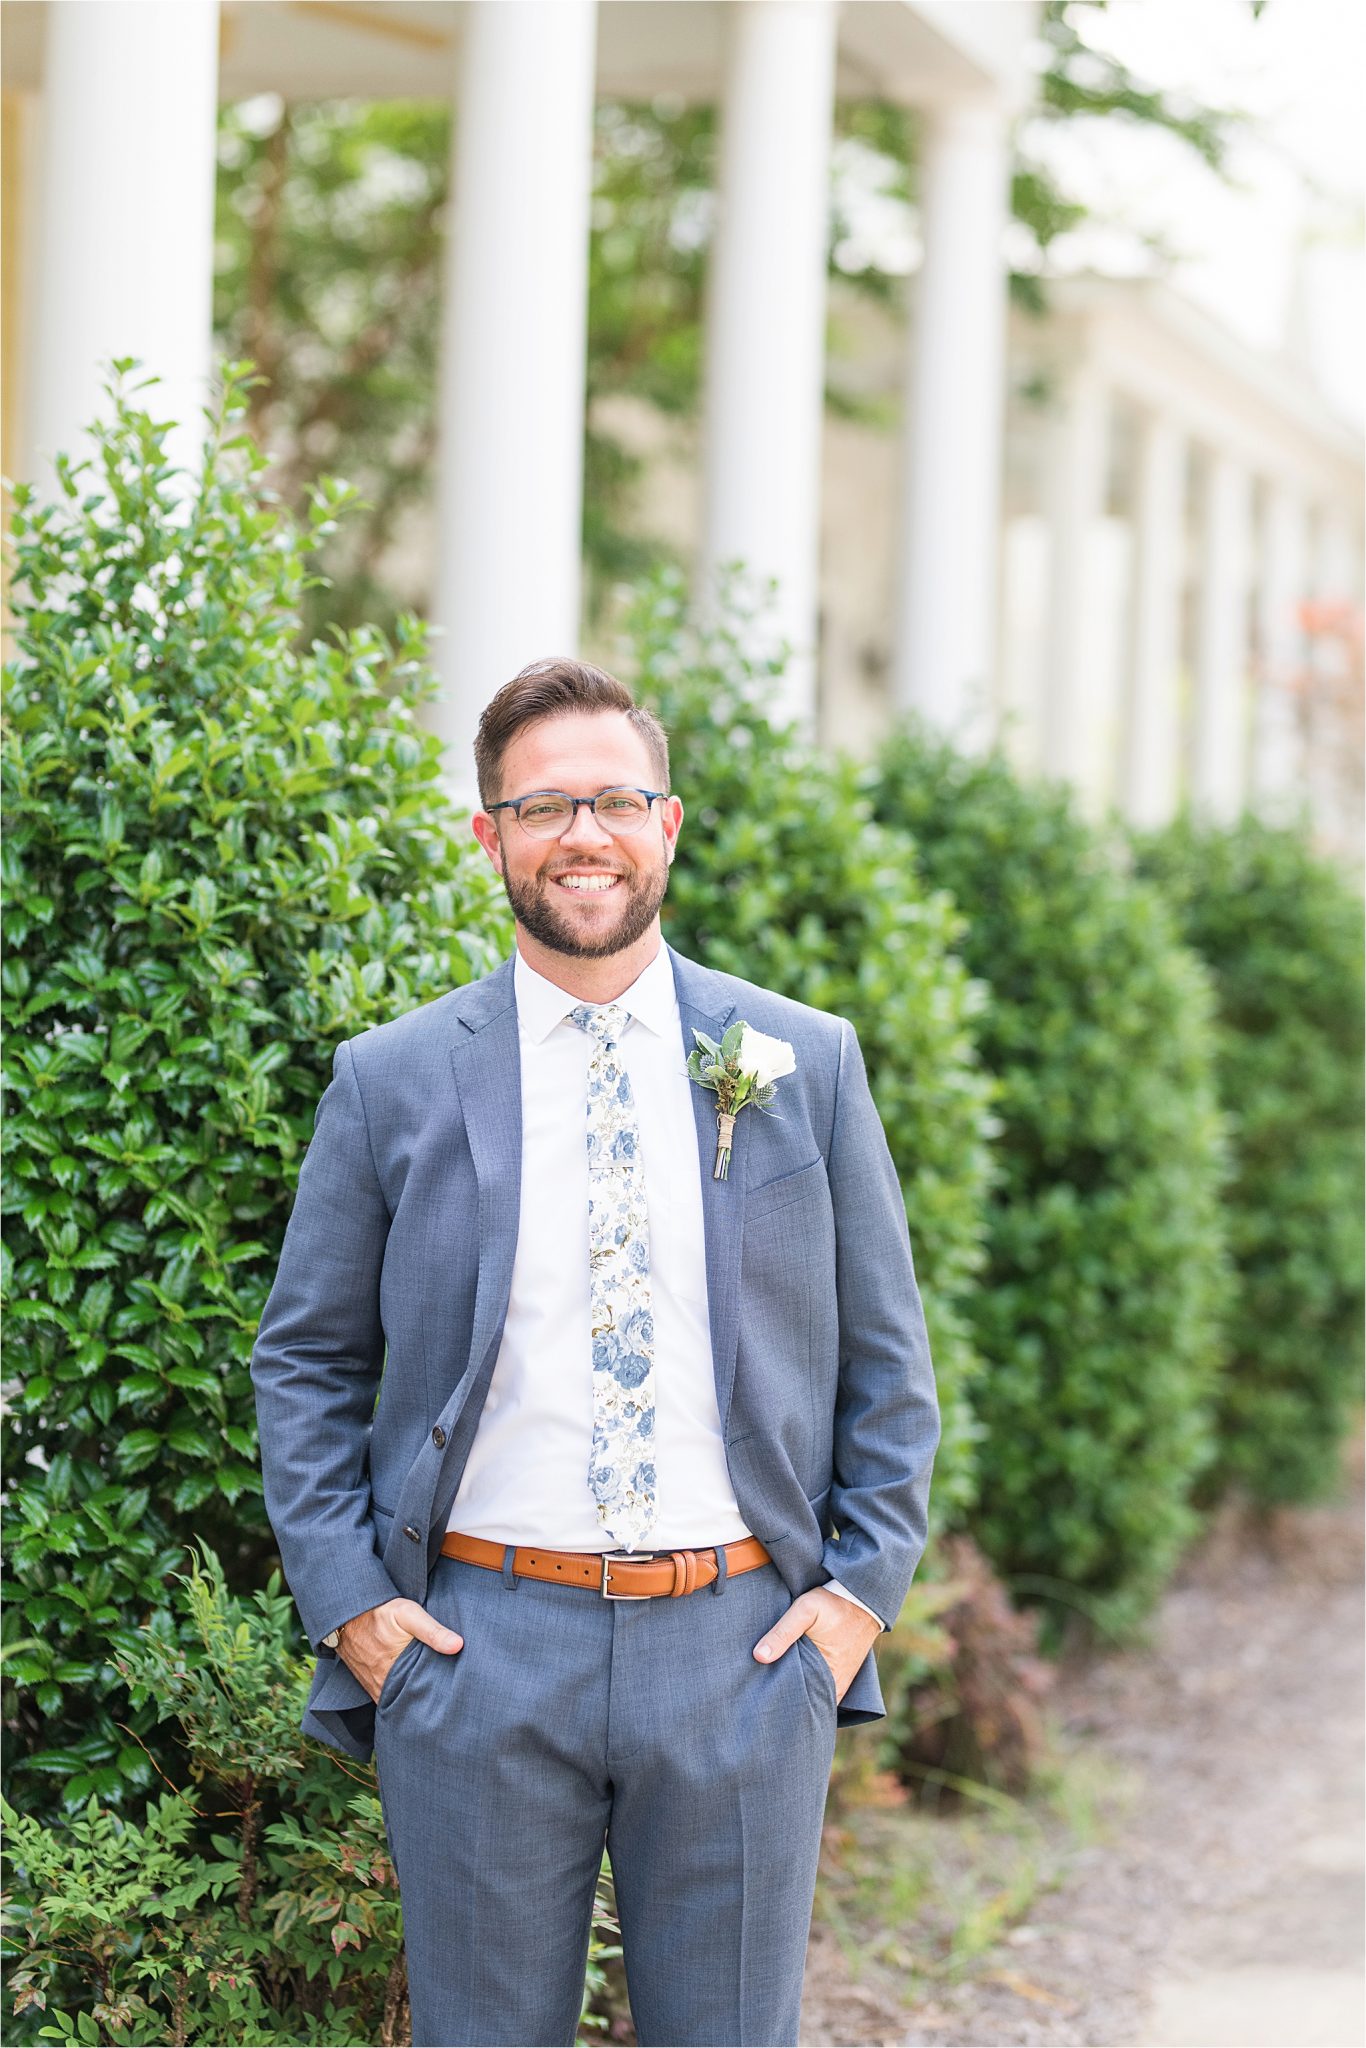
510 1579
718 1584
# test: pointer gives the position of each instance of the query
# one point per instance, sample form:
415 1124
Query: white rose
767 1059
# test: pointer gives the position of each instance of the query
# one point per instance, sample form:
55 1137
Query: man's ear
671 844
486 832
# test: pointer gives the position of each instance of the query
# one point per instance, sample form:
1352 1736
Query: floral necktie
621 1472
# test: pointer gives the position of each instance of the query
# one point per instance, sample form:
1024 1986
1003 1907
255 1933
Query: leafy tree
1080 82
1280 930
329 233
224 854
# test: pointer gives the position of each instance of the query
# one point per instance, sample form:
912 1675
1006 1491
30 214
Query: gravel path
1222 1904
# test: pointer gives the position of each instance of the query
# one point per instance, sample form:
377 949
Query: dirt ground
1190 1874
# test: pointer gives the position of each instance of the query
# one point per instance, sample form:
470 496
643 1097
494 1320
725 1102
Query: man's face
582 753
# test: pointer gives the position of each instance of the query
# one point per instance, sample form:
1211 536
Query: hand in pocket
371 1643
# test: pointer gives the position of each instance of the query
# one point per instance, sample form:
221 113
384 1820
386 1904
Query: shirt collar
542 1004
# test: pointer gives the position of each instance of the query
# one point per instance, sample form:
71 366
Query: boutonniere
743 1068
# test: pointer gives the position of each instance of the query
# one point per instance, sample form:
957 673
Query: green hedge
1099 1312
1281 931
224 854
782 877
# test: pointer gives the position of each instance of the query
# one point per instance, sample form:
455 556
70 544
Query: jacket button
411 1533
439 1437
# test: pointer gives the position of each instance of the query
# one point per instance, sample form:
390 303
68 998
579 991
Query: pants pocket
824 1678
396 1677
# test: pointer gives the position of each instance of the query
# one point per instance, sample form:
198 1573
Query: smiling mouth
587 884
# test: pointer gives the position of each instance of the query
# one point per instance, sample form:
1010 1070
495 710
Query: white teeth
597 882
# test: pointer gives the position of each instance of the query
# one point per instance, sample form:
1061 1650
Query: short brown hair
548 689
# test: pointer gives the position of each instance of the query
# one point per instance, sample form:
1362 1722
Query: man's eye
542 810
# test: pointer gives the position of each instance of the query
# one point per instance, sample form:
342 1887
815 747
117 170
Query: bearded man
597 1458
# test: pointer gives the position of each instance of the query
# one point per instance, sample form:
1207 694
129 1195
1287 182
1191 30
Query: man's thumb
784 1632
444 1639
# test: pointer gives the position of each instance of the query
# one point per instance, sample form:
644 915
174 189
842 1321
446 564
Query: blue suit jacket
381 1332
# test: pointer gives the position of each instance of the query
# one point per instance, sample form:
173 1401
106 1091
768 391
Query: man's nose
586 831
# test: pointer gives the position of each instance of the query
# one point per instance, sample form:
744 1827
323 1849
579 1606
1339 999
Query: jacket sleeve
316 1368
887 1423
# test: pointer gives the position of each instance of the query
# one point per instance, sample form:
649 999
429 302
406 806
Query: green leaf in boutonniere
745 1067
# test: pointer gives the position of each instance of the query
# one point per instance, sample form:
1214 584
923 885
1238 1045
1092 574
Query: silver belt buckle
610 1557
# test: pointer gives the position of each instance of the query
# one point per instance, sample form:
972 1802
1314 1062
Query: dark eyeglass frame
514 804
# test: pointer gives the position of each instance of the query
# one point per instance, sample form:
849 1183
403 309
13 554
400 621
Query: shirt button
411 1533
439 1437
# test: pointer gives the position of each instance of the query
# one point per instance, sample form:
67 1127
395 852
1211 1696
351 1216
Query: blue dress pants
568 1721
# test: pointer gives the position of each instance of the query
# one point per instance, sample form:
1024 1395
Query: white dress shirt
526 1478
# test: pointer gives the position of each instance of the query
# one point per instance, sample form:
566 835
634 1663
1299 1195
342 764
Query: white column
1078 458
1278 762
945 624
1219 734
765 329
1150 770
125 217
513 356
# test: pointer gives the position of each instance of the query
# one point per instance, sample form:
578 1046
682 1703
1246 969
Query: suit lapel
486 1057
705 1005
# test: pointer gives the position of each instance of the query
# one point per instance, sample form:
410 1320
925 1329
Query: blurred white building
1120 537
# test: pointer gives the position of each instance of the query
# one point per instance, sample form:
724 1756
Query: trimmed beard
537 914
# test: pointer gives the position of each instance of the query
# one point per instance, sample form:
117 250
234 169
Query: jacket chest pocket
789 1226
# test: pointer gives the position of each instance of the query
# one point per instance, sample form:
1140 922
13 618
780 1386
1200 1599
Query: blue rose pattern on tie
621 1472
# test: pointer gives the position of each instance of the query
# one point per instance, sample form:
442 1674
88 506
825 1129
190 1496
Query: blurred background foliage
1100 1308
1281 937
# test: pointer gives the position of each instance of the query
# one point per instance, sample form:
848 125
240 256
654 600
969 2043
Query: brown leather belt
610 1573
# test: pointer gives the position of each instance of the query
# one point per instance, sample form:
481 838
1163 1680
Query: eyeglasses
549 813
